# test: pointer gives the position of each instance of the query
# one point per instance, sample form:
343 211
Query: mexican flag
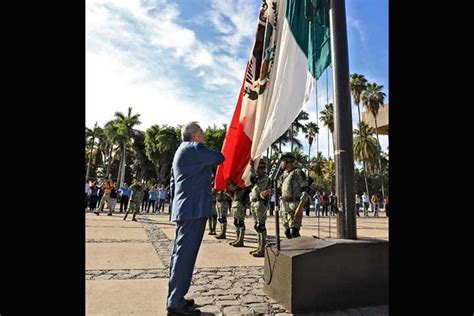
291 50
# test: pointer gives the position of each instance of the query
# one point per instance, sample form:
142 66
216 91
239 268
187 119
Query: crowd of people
105 193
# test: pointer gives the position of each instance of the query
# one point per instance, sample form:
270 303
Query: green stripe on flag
309 23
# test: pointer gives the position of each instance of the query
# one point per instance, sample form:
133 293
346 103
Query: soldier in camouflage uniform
259 197
135 199
213 219
292 192
238 210
222 208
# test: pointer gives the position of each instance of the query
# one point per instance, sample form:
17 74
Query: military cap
262 164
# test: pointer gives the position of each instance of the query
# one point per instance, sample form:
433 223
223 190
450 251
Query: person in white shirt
317 203
366 200
272 203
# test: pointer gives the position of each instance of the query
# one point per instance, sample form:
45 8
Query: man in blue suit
191 191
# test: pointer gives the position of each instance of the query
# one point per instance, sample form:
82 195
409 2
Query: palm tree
366 148
318 163
90 134
113 138
298 126
311 130
301 158
358 85
125 125
327 117
373 98
329 172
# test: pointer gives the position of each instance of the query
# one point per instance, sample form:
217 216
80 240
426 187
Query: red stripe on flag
236 150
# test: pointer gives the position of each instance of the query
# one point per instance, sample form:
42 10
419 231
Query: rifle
275 173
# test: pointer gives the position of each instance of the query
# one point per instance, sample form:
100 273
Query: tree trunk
309 153
365 177
380 160
122 175
119 171
163 172
90 156
107 173
309 158
157 170
358 110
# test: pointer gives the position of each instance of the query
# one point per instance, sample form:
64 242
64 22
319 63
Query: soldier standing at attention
292 192
238 210
258 205
222 208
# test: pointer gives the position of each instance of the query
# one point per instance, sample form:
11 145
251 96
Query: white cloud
217 19
360 29
124 70
240 18
200 56
112 86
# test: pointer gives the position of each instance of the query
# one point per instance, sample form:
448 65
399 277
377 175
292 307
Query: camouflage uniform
135 200
291 194
222 208
238 209
258 207
213 219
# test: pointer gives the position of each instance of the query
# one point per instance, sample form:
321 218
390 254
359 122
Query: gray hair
189 129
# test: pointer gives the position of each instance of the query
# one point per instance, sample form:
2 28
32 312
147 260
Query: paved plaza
127 266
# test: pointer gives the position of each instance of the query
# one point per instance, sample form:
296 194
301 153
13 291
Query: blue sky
177 61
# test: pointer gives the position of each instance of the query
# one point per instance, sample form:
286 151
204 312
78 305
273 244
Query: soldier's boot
222 233
210 226
214 223
259 241
295 232
126 214
288 233
240 240
133 217
262 244
237 233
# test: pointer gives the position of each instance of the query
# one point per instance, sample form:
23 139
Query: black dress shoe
182 311
189 302
288 233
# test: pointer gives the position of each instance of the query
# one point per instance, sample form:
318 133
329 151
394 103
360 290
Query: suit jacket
191 180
